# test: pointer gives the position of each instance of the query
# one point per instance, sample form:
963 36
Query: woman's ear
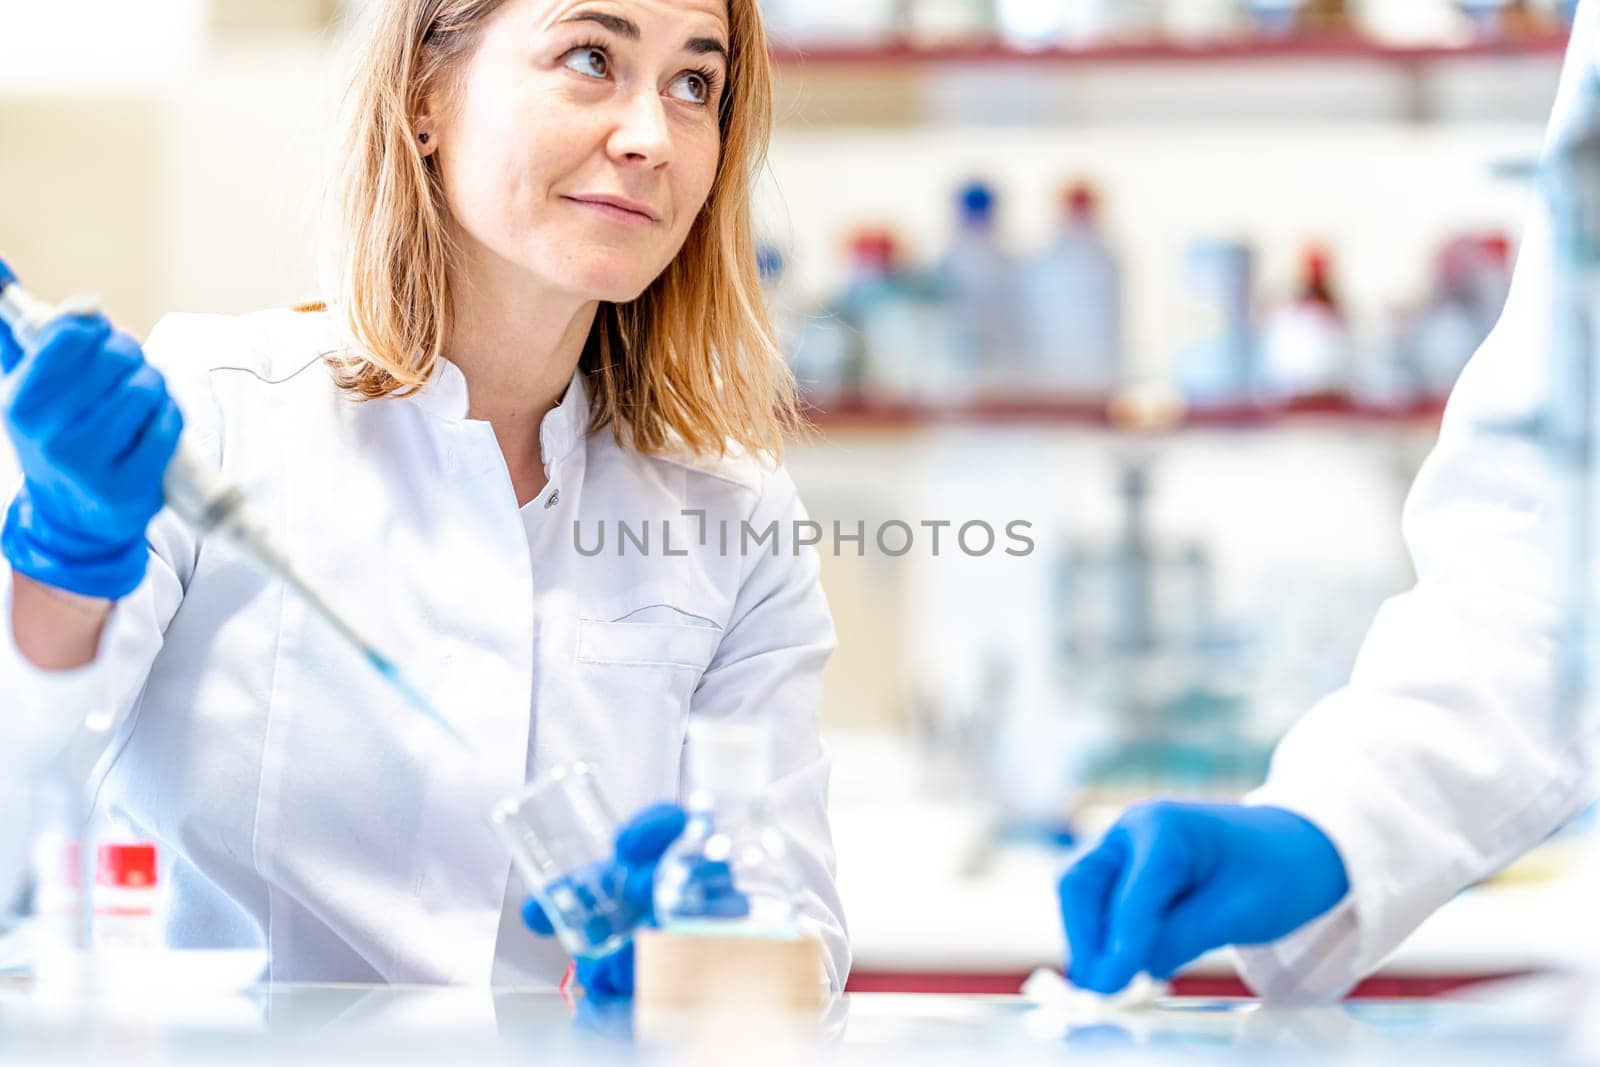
424 131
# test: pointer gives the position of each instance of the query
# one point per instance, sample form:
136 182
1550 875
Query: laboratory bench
331 1024
1009 928
926 919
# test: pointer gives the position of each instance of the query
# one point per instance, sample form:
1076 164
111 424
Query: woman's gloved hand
1172 881
640 846
10 350
94 429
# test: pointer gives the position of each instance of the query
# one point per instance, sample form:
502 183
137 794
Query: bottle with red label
1306 349
1072 302
127 898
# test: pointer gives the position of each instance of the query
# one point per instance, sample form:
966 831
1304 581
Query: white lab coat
299 805
1440 762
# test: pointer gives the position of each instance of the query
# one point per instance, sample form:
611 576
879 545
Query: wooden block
695 974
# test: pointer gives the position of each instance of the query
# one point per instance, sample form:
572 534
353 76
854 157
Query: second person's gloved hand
94 429
640 846
1171 881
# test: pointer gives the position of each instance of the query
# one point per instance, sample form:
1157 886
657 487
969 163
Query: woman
549 324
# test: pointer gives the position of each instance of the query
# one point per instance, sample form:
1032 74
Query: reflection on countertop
345 1024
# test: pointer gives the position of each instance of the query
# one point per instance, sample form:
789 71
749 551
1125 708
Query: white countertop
331 1024
911 907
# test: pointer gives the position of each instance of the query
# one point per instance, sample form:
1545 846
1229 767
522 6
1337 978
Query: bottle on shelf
1416 23
1288 18
884 333
1072 302
1199 21
861 22
936 22
1028 24
1305 349
1216 355
1471 282
978 280
1503 20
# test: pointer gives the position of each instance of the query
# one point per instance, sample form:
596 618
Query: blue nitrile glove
10 351
94 430
1171 881
640 846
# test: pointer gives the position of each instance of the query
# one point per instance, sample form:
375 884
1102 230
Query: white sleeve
768 670
45 712
1440 762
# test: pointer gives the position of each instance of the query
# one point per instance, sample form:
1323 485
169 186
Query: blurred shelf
1103 413
1294 80
1336 48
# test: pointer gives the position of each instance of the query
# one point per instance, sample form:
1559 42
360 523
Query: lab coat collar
564 426
567 423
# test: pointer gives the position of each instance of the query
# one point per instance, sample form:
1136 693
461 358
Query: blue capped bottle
729 874
978 280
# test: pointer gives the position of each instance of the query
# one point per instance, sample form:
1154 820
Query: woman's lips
615 210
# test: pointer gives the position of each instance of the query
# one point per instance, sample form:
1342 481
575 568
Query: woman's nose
642 136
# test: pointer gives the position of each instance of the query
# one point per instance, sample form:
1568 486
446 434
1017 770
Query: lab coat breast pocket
636 676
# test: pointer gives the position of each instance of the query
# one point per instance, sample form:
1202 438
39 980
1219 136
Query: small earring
422 137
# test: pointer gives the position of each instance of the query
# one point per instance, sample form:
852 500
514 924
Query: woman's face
582 140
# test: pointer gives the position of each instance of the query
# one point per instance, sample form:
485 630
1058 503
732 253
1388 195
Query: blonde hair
691 363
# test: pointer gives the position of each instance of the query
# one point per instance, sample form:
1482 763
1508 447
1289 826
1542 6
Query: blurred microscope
1142 647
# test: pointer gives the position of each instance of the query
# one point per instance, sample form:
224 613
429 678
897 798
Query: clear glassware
561 832
729 873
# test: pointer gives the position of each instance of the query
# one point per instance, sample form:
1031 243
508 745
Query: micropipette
199 495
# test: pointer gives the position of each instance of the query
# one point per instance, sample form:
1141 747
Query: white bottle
1305 350
1275 18
60 904
1043 23
127 899
1072 303
824 22
895 325
933 22
978 279
1199 21
1216 351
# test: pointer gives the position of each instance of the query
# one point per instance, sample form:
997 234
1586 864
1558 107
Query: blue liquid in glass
589 910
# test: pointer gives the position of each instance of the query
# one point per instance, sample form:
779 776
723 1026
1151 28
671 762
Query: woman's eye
589 61
692 87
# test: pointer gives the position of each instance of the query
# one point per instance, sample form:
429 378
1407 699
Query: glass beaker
561 833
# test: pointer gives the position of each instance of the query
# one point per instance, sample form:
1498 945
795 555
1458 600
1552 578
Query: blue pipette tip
391 672
7 275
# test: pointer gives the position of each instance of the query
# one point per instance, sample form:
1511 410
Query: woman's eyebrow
706 46
629 30
615 23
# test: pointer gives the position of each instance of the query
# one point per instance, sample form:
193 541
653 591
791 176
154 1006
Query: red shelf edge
1378 987
1096 413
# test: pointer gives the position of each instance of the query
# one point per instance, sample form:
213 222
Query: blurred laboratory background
1174 289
